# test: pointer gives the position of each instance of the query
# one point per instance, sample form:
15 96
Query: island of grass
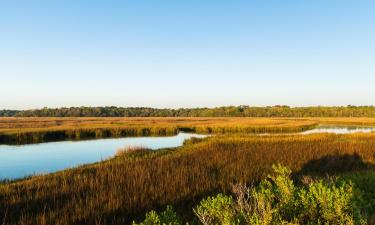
18 130
15 130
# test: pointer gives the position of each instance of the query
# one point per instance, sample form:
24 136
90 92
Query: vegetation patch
225 111
36 130
278 200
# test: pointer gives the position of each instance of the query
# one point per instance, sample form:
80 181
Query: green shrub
167 217
217 210
277 201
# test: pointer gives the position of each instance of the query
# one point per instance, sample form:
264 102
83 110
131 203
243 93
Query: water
339 130
24 160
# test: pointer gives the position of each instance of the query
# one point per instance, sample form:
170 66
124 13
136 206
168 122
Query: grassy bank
38 136
35 130
124 188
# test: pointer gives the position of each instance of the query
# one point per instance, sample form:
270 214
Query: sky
186 53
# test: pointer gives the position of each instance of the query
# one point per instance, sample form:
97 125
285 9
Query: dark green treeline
227 111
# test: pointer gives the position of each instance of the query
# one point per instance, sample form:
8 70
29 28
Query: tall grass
27 137
124 188
35 130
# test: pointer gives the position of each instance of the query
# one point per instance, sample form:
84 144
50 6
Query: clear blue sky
186 53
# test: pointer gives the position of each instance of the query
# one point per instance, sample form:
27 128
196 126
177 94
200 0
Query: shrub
167 217
217 210
277 201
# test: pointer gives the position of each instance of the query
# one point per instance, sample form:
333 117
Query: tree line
8 113
227 111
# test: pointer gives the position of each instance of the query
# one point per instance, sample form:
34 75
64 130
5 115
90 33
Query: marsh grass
122 189
133 150
36 130
18 130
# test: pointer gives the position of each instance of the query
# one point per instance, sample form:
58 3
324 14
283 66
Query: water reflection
340 130
20 161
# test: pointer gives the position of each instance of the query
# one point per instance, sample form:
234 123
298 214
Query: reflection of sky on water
340 130
19 161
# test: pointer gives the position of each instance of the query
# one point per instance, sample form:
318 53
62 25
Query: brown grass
32 130
14 124
130 150
34 124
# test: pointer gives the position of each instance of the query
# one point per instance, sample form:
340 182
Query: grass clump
132 151
167 217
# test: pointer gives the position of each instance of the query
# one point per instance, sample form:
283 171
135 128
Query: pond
24 160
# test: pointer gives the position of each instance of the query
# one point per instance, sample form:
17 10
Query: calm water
340 130
20 161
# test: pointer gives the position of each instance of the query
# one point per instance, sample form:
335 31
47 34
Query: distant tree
228 111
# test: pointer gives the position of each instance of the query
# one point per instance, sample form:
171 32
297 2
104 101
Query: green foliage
365 182
8 113
277 201
228 111
167 217
322 203
217 210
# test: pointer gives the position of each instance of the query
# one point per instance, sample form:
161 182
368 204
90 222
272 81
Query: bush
277 201
167 217
217 210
